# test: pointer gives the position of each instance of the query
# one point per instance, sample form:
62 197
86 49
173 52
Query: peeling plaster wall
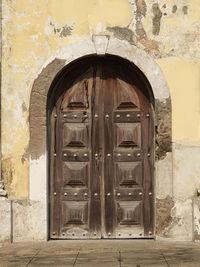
183 77
35 31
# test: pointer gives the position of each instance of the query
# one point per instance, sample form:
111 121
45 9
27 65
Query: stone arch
98 45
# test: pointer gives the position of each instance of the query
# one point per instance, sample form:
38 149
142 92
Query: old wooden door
101 157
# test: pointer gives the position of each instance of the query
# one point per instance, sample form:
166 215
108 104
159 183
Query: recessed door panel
75 174
75 135
128 174
75 219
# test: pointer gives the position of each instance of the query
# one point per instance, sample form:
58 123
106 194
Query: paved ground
106 253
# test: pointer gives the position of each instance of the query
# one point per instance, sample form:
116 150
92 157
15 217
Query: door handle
97 156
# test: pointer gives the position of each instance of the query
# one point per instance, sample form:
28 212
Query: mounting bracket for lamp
100 43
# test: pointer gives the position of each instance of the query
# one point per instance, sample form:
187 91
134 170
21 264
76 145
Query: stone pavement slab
145 258
101 253
103 258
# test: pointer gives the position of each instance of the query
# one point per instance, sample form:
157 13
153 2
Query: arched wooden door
101 160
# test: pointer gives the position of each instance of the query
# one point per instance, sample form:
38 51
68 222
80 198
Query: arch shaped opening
41 103
134 76
128 140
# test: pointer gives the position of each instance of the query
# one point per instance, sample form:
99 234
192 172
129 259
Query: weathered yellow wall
183 78
33 31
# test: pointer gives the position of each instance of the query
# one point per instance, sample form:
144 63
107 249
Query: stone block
196 205
164 177
5 220
29 221
181 227
186 171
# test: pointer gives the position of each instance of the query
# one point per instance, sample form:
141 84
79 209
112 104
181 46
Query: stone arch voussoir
100 45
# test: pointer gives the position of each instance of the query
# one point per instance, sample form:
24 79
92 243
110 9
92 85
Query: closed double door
101 157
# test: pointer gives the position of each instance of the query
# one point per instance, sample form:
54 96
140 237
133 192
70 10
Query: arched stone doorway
101 151
42 87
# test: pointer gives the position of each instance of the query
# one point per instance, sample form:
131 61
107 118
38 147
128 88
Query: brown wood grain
103 138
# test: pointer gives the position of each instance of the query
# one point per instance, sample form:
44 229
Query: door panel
75 174
128 174
125 146
73 180
102 162
75 135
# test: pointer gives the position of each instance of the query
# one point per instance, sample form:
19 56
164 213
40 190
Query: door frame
145 107
42 90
